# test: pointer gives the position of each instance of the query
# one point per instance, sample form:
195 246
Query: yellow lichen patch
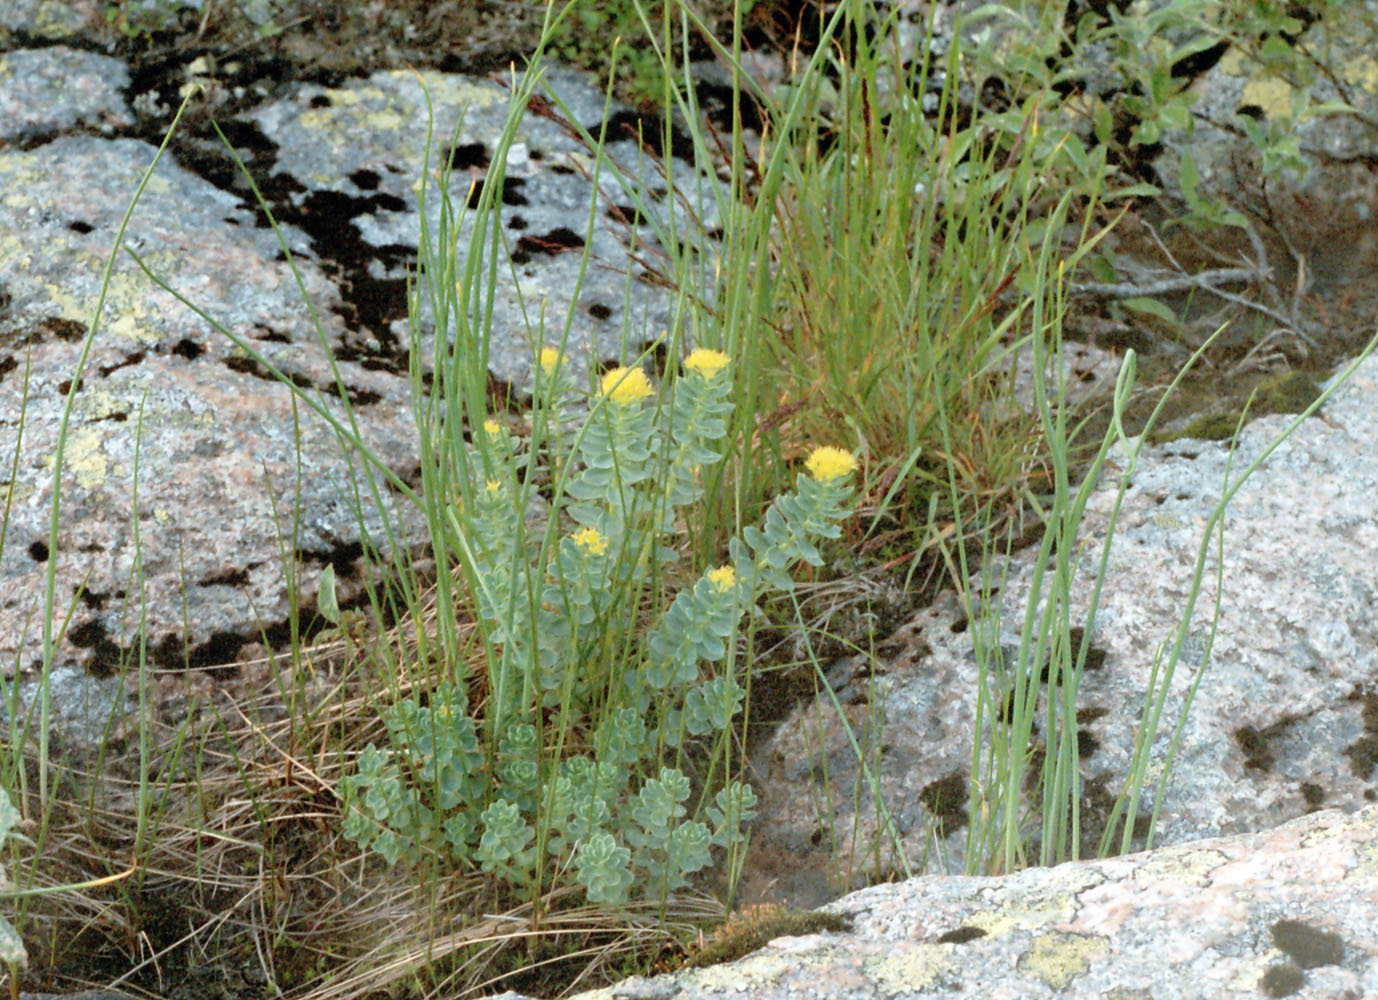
69 307
1167 520
21 174
1232 63
13 253
1362 72
84 458
58 19
912 970
128 313
16 493
451 91
129 327
757 970
1248 977
344 113
997 923
1367 861
1057 959
1054 902
1274 96
158 184
1182 864
98 403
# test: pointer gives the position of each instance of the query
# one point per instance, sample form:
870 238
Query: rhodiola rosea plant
600 753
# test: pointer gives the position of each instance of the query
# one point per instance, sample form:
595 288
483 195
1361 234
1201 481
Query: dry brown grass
245 877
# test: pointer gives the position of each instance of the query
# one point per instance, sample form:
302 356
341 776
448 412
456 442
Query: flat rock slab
1285 718
45 19
355 152
238 476
42 91
1289 912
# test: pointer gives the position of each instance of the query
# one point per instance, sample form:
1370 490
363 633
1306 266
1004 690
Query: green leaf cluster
1122 66
144 18
574 769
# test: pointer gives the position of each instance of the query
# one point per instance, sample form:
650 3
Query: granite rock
223 449
1287 912
1284 720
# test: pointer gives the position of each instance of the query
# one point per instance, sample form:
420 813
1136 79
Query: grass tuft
514 761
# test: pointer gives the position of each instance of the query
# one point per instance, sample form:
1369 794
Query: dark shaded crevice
228 578
557 241
946 798
126 362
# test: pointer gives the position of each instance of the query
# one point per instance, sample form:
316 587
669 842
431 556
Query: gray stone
1284 720
1235 917
162 391
48 18
373 131
60 88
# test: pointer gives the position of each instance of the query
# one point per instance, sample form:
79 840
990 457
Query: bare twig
1166 286
1257 273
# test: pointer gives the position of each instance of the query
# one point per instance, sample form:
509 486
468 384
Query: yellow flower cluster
827 463
705 362
492 427
590 541
550 359
626 386
724 577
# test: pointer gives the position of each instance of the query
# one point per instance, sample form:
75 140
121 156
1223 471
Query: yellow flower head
828 463
705 362
491 426
550 359
626 385
590 541
492 486
724 577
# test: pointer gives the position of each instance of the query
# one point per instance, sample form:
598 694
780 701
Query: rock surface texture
1283 913
223 449
1284 717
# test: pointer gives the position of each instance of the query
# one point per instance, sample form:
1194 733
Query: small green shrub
585 36
584 40
137 18
1143 48
574 766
